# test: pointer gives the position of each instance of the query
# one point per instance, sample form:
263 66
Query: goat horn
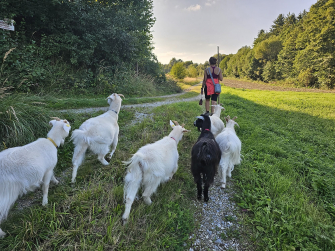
121 95
175 122
234 118
182 125
56 118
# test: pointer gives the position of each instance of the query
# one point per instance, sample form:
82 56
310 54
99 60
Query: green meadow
285 185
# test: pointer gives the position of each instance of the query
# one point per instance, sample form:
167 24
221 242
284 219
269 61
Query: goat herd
24 168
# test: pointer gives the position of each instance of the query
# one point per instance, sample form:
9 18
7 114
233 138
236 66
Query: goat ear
52 122
67 127
200 117
226 118
186 130
234 118
171 124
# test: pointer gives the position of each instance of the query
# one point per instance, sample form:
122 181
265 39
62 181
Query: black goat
206 155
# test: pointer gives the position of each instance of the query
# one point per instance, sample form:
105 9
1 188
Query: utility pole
219 79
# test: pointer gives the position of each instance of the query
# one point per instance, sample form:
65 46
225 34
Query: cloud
210 2
194 7
172 54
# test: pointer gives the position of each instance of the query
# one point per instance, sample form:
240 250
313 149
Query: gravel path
171 99
218 220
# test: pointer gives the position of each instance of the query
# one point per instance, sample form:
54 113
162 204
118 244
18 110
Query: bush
178 70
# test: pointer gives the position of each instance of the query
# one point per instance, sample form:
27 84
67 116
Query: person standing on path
207 83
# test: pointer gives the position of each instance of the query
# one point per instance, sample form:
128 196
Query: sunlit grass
287 177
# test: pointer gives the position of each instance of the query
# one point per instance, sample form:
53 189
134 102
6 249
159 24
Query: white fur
217 124
151 165
230 146
24 168
97 134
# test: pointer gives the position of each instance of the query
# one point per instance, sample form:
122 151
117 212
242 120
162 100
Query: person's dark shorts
214 96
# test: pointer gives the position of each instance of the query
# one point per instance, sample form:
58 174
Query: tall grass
21 123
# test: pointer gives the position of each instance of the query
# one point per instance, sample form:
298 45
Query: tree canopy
87 34
300 48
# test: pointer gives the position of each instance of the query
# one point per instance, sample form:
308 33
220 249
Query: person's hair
212 60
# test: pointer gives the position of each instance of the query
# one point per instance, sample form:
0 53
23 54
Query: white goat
97 134
230 146
217 123
24 168
151 165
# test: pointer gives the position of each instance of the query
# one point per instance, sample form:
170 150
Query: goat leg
199 188
54 180
45 186
206 192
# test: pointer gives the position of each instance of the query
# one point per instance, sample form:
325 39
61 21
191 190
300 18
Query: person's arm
205 79
220 75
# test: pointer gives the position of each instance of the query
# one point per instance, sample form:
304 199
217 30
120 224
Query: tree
192 71
268 49
178 70
278 24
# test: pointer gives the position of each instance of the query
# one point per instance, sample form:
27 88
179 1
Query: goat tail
81 137
134 176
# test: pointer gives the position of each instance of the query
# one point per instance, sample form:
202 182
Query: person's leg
214 102
207 105
207 97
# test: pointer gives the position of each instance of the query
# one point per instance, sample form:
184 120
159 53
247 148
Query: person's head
212 60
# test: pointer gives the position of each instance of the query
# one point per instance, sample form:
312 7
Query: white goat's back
98 133
22 169
217 125
230 145
160 157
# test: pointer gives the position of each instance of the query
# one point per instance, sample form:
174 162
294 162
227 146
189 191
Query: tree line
298 49
75 43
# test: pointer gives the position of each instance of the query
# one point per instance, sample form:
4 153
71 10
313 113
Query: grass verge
287 179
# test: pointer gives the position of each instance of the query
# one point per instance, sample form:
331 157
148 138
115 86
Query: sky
192 30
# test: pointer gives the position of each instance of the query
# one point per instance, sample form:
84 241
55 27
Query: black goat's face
198 123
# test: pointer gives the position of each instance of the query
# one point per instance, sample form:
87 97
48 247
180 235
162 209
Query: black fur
206 156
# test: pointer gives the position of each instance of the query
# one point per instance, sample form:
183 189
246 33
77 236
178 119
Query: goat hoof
199 197
104 162
223 186
56 182
147 201
108 159
206 199
124 221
